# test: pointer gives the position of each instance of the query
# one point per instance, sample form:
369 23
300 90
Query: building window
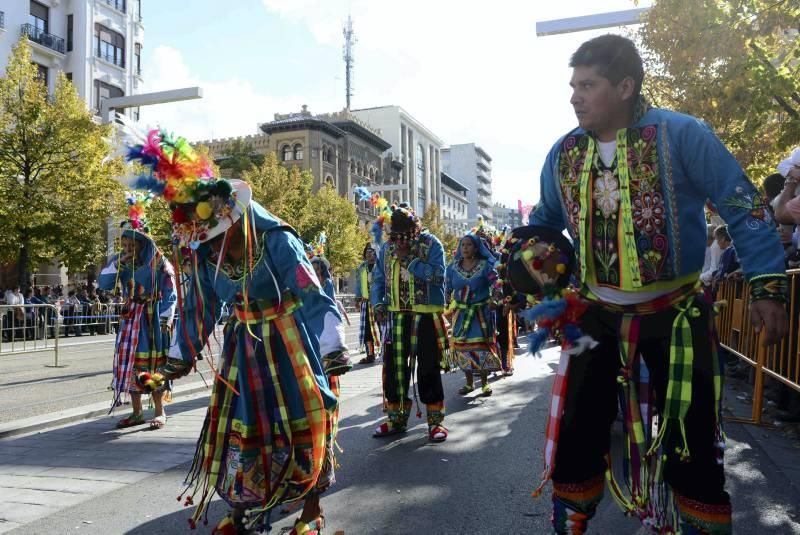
352 167
103 91
298 152
119 5
109 45
139 10
286 153
329 180
69 76
331 154
137 53
70 28
41 74
39 18
324 154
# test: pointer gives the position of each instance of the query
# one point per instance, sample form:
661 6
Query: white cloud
469 70
230 107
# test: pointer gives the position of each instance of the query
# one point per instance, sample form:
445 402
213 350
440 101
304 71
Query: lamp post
147 99
598 21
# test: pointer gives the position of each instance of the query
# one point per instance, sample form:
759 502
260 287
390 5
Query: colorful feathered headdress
136 219
203 206
317 247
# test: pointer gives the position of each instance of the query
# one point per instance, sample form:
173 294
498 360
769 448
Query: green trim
586 201
629 260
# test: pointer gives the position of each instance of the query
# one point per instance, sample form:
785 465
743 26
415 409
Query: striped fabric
368 322
125 354
574 504
252 451
557 397
703 519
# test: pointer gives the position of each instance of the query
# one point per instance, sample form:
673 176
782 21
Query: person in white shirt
713 254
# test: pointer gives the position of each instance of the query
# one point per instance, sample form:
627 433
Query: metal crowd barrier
29 329
736 333
348 302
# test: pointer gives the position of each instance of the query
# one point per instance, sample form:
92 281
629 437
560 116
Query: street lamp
147 99
598 21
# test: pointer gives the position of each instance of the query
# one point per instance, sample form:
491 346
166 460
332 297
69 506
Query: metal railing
737 335
29 329
119 62
119 5
43 38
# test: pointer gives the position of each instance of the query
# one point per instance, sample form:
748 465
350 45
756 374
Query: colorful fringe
435 413
574 504
648 496
703 519
268 459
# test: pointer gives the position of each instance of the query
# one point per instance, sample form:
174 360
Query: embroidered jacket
363 280
643 218
413 284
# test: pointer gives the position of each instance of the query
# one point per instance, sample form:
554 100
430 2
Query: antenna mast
349 43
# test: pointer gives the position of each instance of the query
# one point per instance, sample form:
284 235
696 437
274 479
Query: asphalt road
478 482
31 386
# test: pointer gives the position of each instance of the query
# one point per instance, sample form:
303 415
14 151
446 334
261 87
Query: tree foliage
57 186
432 220
287 194
240 158
733 63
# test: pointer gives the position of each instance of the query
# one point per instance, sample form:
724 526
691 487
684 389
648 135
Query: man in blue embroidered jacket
408 294
629 186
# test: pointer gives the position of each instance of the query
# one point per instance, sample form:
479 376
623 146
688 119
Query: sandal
158 422
387 429
509 372
437 433
367 360
486 390
466 389
131 421
308 528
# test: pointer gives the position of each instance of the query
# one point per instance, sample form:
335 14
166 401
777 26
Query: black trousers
428 359
593 396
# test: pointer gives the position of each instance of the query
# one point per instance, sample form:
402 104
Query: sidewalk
42 473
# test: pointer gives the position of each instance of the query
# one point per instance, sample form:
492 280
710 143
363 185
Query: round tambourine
539 259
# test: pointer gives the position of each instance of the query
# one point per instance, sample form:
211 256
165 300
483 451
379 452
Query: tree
57 186
239 159
432 220
733 63
329 212
284 192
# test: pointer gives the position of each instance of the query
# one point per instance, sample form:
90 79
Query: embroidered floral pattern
606 193
648 206
753 203
648 212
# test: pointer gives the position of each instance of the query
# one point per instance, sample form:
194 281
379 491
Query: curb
47 421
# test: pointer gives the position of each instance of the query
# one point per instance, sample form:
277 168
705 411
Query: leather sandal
437 433
387 429
131 421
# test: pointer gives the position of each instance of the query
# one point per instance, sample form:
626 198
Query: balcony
2 20
483 177
483 164
47 40
117 61
483 190
119 5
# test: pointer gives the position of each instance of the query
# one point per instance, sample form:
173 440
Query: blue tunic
148 287
473 320
264 439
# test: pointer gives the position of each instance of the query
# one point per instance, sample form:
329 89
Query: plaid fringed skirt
267 433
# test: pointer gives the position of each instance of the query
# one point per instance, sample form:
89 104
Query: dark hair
773 185
615 58
722 233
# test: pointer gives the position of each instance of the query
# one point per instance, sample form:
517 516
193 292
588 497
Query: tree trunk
91 274
23 268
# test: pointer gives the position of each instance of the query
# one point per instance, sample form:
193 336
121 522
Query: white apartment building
415 154
96 43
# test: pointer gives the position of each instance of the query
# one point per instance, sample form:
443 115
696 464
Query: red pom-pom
179 216
537 263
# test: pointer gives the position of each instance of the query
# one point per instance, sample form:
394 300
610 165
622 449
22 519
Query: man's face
723 243
597 102
370 256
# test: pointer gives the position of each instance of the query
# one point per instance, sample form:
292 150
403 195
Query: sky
469 70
